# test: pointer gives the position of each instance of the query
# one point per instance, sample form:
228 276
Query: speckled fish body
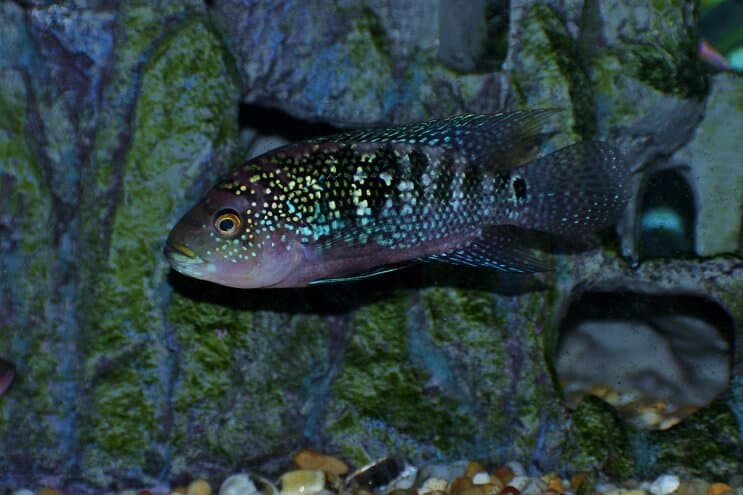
446 190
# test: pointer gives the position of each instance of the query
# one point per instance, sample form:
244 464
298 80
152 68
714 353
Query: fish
356 204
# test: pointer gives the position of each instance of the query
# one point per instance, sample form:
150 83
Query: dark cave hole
655 358
667 215
272 121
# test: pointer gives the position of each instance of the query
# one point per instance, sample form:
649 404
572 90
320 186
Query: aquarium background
116 116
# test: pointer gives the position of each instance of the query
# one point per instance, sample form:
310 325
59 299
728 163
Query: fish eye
227 223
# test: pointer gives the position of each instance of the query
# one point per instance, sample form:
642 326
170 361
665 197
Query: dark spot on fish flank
518 184
418 162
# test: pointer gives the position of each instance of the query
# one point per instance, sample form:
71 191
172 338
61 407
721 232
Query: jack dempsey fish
363 202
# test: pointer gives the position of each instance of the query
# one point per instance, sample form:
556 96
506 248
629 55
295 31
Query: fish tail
578 189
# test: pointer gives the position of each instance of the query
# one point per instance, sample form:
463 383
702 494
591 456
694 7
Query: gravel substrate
321 474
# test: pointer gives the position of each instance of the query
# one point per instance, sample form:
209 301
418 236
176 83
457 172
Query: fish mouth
184 260
180 250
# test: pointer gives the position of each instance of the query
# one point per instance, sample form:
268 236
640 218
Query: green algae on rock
600 440
380 397
184 108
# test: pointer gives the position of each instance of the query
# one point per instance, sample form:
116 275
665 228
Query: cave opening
655 358
667 217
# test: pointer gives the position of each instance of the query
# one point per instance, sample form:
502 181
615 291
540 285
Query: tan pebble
636 491
719 489
458 485
312 459
494 487
473 468
199 487
509 490
693 487
403 491
577 480
179 490
504 473
474 490
302 482
49 491
555 483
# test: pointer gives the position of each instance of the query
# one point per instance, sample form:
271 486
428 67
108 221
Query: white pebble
517 468
535 486
406 479
481 478
238 484
664 484
433 485
519 482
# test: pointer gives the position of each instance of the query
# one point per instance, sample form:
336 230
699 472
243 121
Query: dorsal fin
499 140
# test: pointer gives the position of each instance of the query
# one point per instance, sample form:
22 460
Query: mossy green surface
706 444
666 57
26 320
222 412
380 389
547 70
185 103
599 441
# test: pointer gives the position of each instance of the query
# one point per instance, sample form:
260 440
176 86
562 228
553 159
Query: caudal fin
578 189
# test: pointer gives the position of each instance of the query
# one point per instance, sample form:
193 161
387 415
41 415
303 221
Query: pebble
719 489
481 478
578 480
238 484
516 468
693 487
504 473
199 487
406 479
509 490
460 484
554 482
534 486
375 475
519 482
433 485
302 482
665 484
311 459
473 468
23 491
49 491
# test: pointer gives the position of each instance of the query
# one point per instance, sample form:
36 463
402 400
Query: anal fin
358 276
499 248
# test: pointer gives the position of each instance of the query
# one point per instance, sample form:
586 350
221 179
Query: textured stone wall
116 116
